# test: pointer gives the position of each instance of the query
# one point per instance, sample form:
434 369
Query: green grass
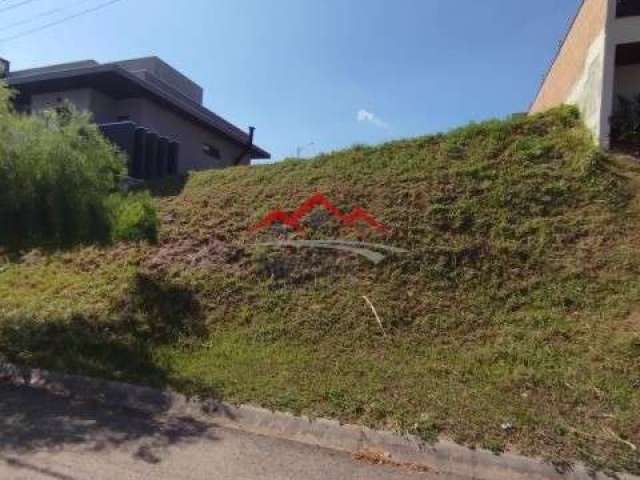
517 302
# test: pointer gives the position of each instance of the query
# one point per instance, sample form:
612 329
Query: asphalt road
44 436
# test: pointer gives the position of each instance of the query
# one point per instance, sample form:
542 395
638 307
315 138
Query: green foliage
56 170
5 102
133 218
58 182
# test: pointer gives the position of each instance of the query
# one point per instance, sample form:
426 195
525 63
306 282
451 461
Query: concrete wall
586 92
619 31
578 74
102 107
571 62
191 137
625 30
131 107
627 81
81 98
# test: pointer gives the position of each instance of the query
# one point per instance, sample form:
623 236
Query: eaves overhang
121 84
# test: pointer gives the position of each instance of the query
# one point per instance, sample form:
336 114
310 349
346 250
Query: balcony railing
627 8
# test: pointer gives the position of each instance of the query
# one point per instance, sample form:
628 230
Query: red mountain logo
293 219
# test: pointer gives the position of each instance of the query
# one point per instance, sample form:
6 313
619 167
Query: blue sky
331 72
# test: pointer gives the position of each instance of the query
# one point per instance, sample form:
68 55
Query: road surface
47 437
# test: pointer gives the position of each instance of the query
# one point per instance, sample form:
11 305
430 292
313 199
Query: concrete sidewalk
46 436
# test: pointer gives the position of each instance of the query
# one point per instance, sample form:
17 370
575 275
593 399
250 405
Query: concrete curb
448 460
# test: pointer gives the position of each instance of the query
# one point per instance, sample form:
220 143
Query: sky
316 75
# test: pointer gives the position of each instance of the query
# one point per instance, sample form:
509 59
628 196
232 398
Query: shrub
56 170
58 180
134 218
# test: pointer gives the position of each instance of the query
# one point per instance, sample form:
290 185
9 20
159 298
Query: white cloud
364 116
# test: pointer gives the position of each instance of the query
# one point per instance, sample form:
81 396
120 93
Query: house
151 111
597 64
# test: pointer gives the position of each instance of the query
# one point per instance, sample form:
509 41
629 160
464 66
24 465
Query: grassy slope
515 304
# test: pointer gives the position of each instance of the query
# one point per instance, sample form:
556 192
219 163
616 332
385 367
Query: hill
513 303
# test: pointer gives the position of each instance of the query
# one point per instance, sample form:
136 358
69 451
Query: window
211 151
123 118
628 8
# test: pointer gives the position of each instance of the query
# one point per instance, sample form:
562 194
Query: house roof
119 83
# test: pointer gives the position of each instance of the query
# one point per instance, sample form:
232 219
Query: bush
58 178
56 170
134 218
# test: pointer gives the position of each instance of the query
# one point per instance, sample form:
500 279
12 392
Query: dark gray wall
154 117
191 136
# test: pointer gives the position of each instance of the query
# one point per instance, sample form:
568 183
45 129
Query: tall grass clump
57 173
133 217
